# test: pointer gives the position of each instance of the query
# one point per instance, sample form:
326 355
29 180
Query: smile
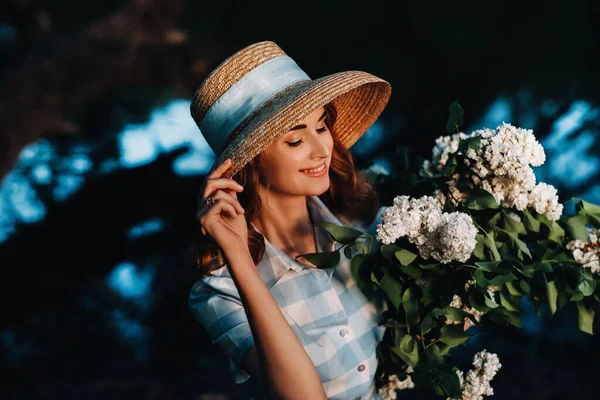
319 171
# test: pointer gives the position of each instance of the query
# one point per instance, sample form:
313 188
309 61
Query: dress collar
275 263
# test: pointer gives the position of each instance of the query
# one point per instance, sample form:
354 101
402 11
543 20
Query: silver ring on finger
209 201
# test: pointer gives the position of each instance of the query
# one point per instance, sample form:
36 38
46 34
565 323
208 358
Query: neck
284 220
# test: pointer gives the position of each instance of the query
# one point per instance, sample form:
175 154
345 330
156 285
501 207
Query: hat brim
359 99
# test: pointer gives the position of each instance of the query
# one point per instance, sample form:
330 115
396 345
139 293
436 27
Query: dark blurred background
101 162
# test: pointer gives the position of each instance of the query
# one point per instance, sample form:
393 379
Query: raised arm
286 368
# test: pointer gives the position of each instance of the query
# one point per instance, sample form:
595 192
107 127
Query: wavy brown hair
351 197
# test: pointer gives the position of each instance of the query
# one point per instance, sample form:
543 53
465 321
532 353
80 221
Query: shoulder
219 284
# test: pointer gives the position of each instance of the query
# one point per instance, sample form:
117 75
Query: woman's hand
224 220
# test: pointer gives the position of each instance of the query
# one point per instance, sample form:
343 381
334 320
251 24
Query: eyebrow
302 126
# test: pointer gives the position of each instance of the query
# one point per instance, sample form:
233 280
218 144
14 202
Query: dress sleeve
223 317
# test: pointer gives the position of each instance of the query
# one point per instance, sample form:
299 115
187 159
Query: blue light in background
381 165
7 218
146 228
8 33
131 332
565 125
369 141
15 350
22 198
167 128
531 323
66 185
131 282
570 159
498 112
137 146
41 174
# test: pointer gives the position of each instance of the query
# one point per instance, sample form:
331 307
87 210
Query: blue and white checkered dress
335 322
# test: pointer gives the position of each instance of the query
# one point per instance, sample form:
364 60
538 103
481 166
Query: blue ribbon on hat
247 95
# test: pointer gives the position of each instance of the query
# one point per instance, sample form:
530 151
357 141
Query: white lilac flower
444 146
587 252
544 199
442 236
389 391
467 322
409 217
476 383
502 166
455 239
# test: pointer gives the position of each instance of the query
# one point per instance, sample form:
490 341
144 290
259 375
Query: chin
319 189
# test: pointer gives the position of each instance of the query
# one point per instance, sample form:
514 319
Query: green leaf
348 251
576 227
324 260
455 314
374 278
407 350
411 306
524 285
434 354
342 234
412 271
360 246
393 289
480 199
552 294
477 300
453 335
405 257
389 250
488 266
507 304
355 264
515 241
556 233
577 296
483 281
586 287
455 118
591 208
448 380
585 318
490 243
514 227
512 289
490 301
530 222
432 267
450 165
479 247
427 324
512 317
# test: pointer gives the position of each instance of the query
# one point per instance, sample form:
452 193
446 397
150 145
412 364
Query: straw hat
259 93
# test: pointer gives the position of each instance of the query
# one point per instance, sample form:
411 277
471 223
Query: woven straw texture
359 98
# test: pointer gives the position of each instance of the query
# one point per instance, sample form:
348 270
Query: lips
313 168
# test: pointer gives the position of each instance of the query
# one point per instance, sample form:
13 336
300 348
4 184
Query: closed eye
299 142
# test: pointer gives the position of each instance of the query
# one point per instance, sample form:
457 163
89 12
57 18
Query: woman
283 164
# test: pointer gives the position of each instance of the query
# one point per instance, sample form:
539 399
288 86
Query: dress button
361 367
343 332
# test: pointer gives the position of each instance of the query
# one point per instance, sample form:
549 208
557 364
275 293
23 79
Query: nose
321 144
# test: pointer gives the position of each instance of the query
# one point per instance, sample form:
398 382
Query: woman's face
306 146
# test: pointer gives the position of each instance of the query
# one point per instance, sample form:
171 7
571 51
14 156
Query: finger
220 183
223 206
220 169
221 194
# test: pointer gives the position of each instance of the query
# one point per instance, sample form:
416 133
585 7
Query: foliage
522 246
